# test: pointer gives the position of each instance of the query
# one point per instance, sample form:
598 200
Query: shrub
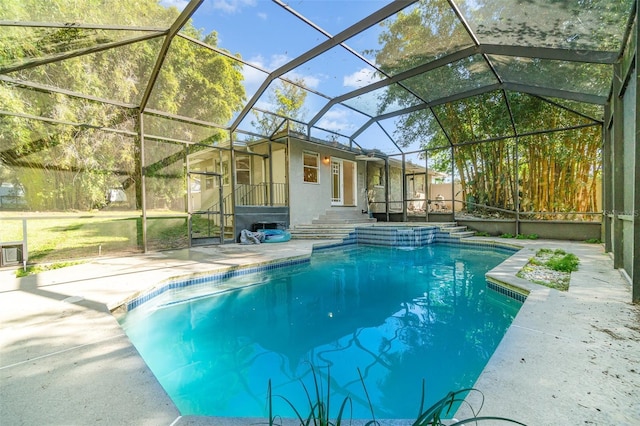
555 260
536 261
527 236
318 407
563 263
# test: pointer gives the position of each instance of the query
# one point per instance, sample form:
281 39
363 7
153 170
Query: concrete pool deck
569 358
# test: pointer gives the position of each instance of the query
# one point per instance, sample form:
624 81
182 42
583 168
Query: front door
336 183
343 182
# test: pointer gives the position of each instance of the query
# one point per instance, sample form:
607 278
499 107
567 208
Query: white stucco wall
308 201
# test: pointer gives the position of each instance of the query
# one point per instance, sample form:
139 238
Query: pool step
458 231
339 231
464 234
454 228
333 231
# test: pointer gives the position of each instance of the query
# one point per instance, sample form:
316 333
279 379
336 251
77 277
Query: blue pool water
397 316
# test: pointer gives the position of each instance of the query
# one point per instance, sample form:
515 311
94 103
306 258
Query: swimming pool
398 316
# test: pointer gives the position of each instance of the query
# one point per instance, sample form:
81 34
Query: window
243 170
311 162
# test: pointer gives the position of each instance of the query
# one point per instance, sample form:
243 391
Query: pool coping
182 281
573 357
545 342
215 278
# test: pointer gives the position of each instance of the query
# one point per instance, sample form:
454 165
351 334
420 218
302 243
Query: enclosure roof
363 67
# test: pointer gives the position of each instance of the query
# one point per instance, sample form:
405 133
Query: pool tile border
377 236
215 278
513 293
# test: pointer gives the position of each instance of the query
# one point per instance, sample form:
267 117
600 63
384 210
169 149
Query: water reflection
397 316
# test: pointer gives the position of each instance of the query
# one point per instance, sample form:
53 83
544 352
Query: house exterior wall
376 184
444 189
308 201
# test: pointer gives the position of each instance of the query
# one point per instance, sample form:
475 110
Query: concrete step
297 236
343 216
464 234
344 213
309 231
338 230
310 235
338 220
458 231
442 225
329 225
341 230
452 229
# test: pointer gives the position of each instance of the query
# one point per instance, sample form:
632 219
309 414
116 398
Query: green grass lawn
65 236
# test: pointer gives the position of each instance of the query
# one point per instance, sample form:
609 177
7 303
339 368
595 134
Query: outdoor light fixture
325 160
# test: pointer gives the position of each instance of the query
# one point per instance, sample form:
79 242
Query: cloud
277 60
258 61
360 78
265 105
308 81
253 78
232 6
311 82
225 6
337 114
178 4
336 120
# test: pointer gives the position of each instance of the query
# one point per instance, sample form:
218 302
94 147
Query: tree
287 99
487 170
71 166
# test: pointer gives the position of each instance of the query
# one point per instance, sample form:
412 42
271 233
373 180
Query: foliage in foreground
319 405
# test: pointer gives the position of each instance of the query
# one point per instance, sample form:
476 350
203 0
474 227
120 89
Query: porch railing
252 195
258 194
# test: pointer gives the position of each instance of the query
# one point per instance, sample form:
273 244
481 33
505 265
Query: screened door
206 208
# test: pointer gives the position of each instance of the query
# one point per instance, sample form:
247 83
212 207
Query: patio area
569 357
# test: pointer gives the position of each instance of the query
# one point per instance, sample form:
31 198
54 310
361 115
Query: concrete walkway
570 357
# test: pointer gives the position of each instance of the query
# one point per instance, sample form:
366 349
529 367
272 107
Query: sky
268 36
